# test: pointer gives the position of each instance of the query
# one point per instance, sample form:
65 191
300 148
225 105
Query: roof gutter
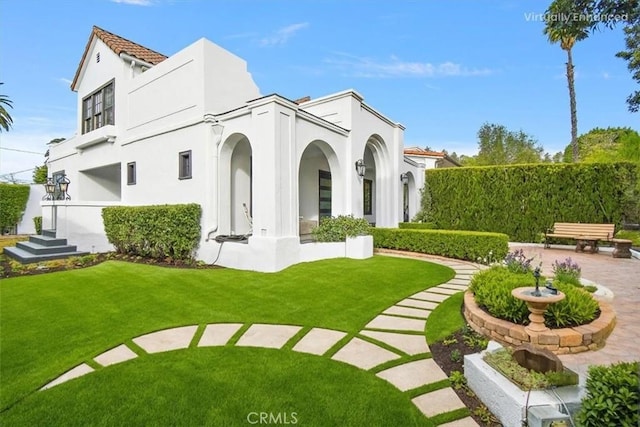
135 60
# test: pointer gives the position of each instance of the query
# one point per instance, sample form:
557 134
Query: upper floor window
98 108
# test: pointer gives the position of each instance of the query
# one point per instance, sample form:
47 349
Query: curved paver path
392 336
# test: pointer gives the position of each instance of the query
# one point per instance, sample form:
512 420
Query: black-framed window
98 109
324 194
184 165
131 173
367 188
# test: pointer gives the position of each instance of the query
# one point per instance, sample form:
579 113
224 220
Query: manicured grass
221 387
632 235
445 319
52 322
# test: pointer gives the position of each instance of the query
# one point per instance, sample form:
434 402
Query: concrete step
49 233
47 241
38 249
27 257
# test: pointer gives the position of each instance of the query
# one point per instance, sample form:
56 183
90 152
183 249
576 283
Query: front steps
43 247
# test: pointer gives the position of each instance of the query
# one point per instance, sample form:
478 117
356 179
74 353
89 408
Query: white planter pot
359 247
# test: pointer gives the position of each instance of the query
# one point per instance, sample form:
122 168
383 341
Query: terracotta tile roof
119 45
416 151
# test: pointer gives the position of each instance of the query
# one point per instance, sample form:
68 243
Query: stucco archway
374 192
236 178
319 179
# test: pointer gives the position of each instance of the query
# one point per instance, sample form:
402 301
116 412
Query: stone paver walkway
390 339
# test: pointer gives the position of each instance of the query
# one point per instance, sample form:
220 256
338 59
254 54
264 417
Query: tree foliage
567 33
607 145
5 118
40 174
632 56
499 146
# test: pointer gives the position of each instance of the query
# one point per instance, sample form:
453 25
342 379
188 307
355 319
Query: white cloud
606 75
64 80
134 2
283 34
395 67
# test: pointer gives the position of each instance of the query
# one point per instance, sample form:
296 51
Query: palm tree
567 32
5 118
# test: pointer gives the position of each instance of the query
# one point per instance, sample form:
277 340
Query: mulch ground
442 354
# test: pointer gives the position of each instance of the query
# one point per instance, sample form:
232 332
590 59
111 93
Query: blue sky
440 67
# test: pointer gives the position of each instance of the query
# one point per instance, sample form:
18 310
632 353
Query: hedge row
465 245
523 201
417 225
13 202
167 231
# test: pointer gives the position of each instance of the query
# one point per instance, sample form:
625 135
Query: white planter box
359 247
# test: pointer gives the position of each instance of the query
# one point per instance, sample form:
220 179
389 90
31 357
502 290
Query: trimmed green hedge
417 225
166 231
523 201
13 202
37 223
466 245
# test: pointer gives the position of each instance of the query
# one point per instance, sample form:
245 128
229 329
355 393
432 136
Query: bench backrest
602 231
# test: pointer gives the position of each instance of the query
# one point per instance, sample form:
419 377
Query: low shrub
465 245
567 271
417 225
577 308
162 231
337 229
612 396
517 262
492 289
37 223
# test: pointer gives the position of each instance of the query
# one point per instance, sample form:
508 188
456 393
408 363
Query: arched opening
409 196
236 186
373 188
317 179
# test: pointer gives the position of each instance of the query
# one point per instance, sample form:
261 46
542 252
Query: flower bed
591 336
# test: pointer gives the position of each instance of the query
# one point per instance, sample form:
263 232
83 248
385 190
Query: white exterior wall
32 209
259 160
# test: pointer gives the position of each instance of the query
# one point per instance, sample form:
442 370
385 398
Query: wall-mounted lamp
361 168
404 178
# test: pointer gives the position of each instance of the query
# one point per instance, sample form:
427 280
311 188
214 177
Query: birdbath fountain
537 301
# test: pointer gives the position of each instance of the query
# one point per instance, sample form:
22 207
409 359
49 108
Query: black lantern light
50 189
361 168
63 186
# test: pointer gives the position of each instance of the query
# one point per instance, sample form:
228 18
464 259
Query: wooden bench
586 235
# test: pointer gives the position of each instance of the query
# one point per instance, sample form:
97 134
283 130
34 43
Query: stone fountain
537 301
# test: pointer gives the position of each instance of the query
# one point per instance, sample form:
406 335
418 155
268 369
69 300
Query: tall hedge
524 200
466 245
13 202
161 231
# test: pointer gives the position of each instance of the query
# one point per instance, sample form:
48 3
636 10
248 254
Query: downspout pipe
214 137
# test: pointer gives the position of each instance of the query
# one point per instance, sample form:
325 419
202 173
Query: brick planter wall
591 336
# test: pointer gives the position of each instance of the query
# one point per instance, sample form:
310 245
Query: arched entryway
374 193
318 186
409 196
236 186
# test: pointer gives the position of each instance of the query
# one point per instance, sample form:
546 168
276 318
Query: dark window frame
367 196
98 108
131 173
185 165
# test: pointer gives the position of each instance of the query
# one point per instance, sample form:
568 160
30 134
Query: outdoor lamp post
361 168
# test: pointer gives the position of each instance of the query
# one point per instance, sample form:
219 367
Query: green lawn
52 322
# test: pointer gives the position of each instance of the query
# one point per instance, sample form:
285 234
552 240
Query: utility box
546 416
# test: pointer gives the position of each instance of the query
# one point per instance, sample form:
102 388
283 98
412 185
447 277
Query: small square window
131 173
184 165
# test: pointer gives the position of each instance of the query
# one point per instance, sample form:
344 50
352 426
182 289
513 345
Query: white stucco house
194 128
